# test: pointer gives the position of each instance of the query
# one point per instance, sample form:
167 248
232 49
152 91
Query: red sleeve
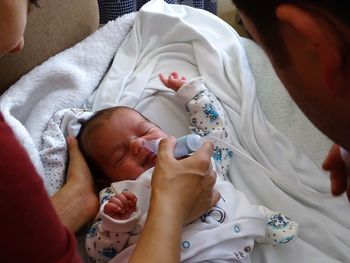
30 229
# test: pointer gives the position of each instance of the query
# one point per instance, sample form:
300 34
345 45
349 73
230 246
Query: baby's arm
205 112
108 236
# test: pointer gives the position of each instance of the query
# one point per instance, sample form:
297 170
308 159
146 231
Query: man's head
112 142
308 43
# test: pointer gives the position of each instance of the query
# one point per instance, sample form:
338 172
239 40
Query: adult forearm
74 207
76 202
161 236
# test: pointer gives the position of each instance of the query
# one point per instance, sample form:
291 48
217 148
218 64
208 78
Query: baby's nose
136 145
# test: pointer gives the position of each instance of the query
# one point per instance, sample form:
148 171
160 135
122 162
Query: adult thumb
76 158
167 146
333 159
73 147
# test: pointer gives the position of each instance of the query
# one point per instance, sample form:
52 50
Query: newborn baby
112 142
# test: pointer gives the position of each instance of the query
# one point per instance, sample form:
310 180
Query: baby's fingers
111 209
163 79
174 75
130 197
119 201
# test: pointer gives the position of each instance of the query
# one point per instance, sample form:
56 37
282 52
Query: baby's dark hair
88 126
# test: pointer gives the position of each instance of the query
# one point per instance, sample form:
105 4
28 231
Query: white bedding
267 167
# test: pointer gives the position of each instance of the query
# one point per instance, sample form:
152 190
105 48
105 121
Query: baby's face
117 145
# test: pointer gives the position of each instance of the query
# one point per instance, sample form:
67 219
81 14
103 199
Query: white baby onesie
226 233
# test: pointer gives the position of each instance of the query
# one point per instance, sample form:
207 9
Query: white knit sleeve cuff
190 89
122 226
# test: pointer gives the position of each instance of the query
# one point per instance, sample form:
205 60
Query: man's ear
323 39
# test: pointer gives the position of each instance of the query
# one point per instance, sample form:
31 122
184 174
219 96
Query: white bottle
184 145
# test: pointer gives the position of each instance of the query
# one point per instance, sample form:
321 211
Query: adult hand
76 202
186 185
182 190
340 177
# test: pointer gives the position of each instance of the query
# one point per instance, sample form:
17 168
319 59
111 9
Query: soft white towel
64 81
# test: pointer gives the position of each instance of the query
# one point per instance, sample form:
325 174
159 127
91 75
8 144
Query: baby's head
112 143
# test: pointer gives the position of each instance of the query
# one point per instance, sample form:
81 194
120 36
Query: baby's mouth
149 160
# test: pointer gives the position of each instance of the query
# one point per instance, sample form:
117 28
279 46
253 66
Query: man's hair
263 15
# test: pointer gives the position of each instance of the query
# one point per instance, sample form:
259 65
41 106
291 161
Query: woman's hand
340 177
186 186
76 202
182 190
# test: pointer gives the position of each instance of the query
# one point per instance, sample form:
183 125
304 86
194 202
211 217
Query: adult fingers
73 149
202 158
216 197
333 159
166 148
212 177
77 168
207 148
339 182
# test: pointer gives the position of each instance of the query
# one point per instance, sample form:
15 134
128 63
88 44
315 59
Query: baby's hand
173 81
121 206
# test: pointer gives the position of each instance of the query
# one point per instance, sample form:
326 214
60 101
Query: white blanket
62 82
267 167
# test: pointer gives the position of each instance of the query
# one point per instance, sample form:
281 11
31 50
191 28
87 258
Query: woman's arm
76 202
27 212
182 190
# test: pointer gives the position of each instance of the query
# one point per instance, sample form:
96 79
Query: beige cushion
56 26
228 12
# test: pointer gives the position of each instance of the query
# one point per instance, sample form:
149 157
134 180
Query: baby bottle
184 145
